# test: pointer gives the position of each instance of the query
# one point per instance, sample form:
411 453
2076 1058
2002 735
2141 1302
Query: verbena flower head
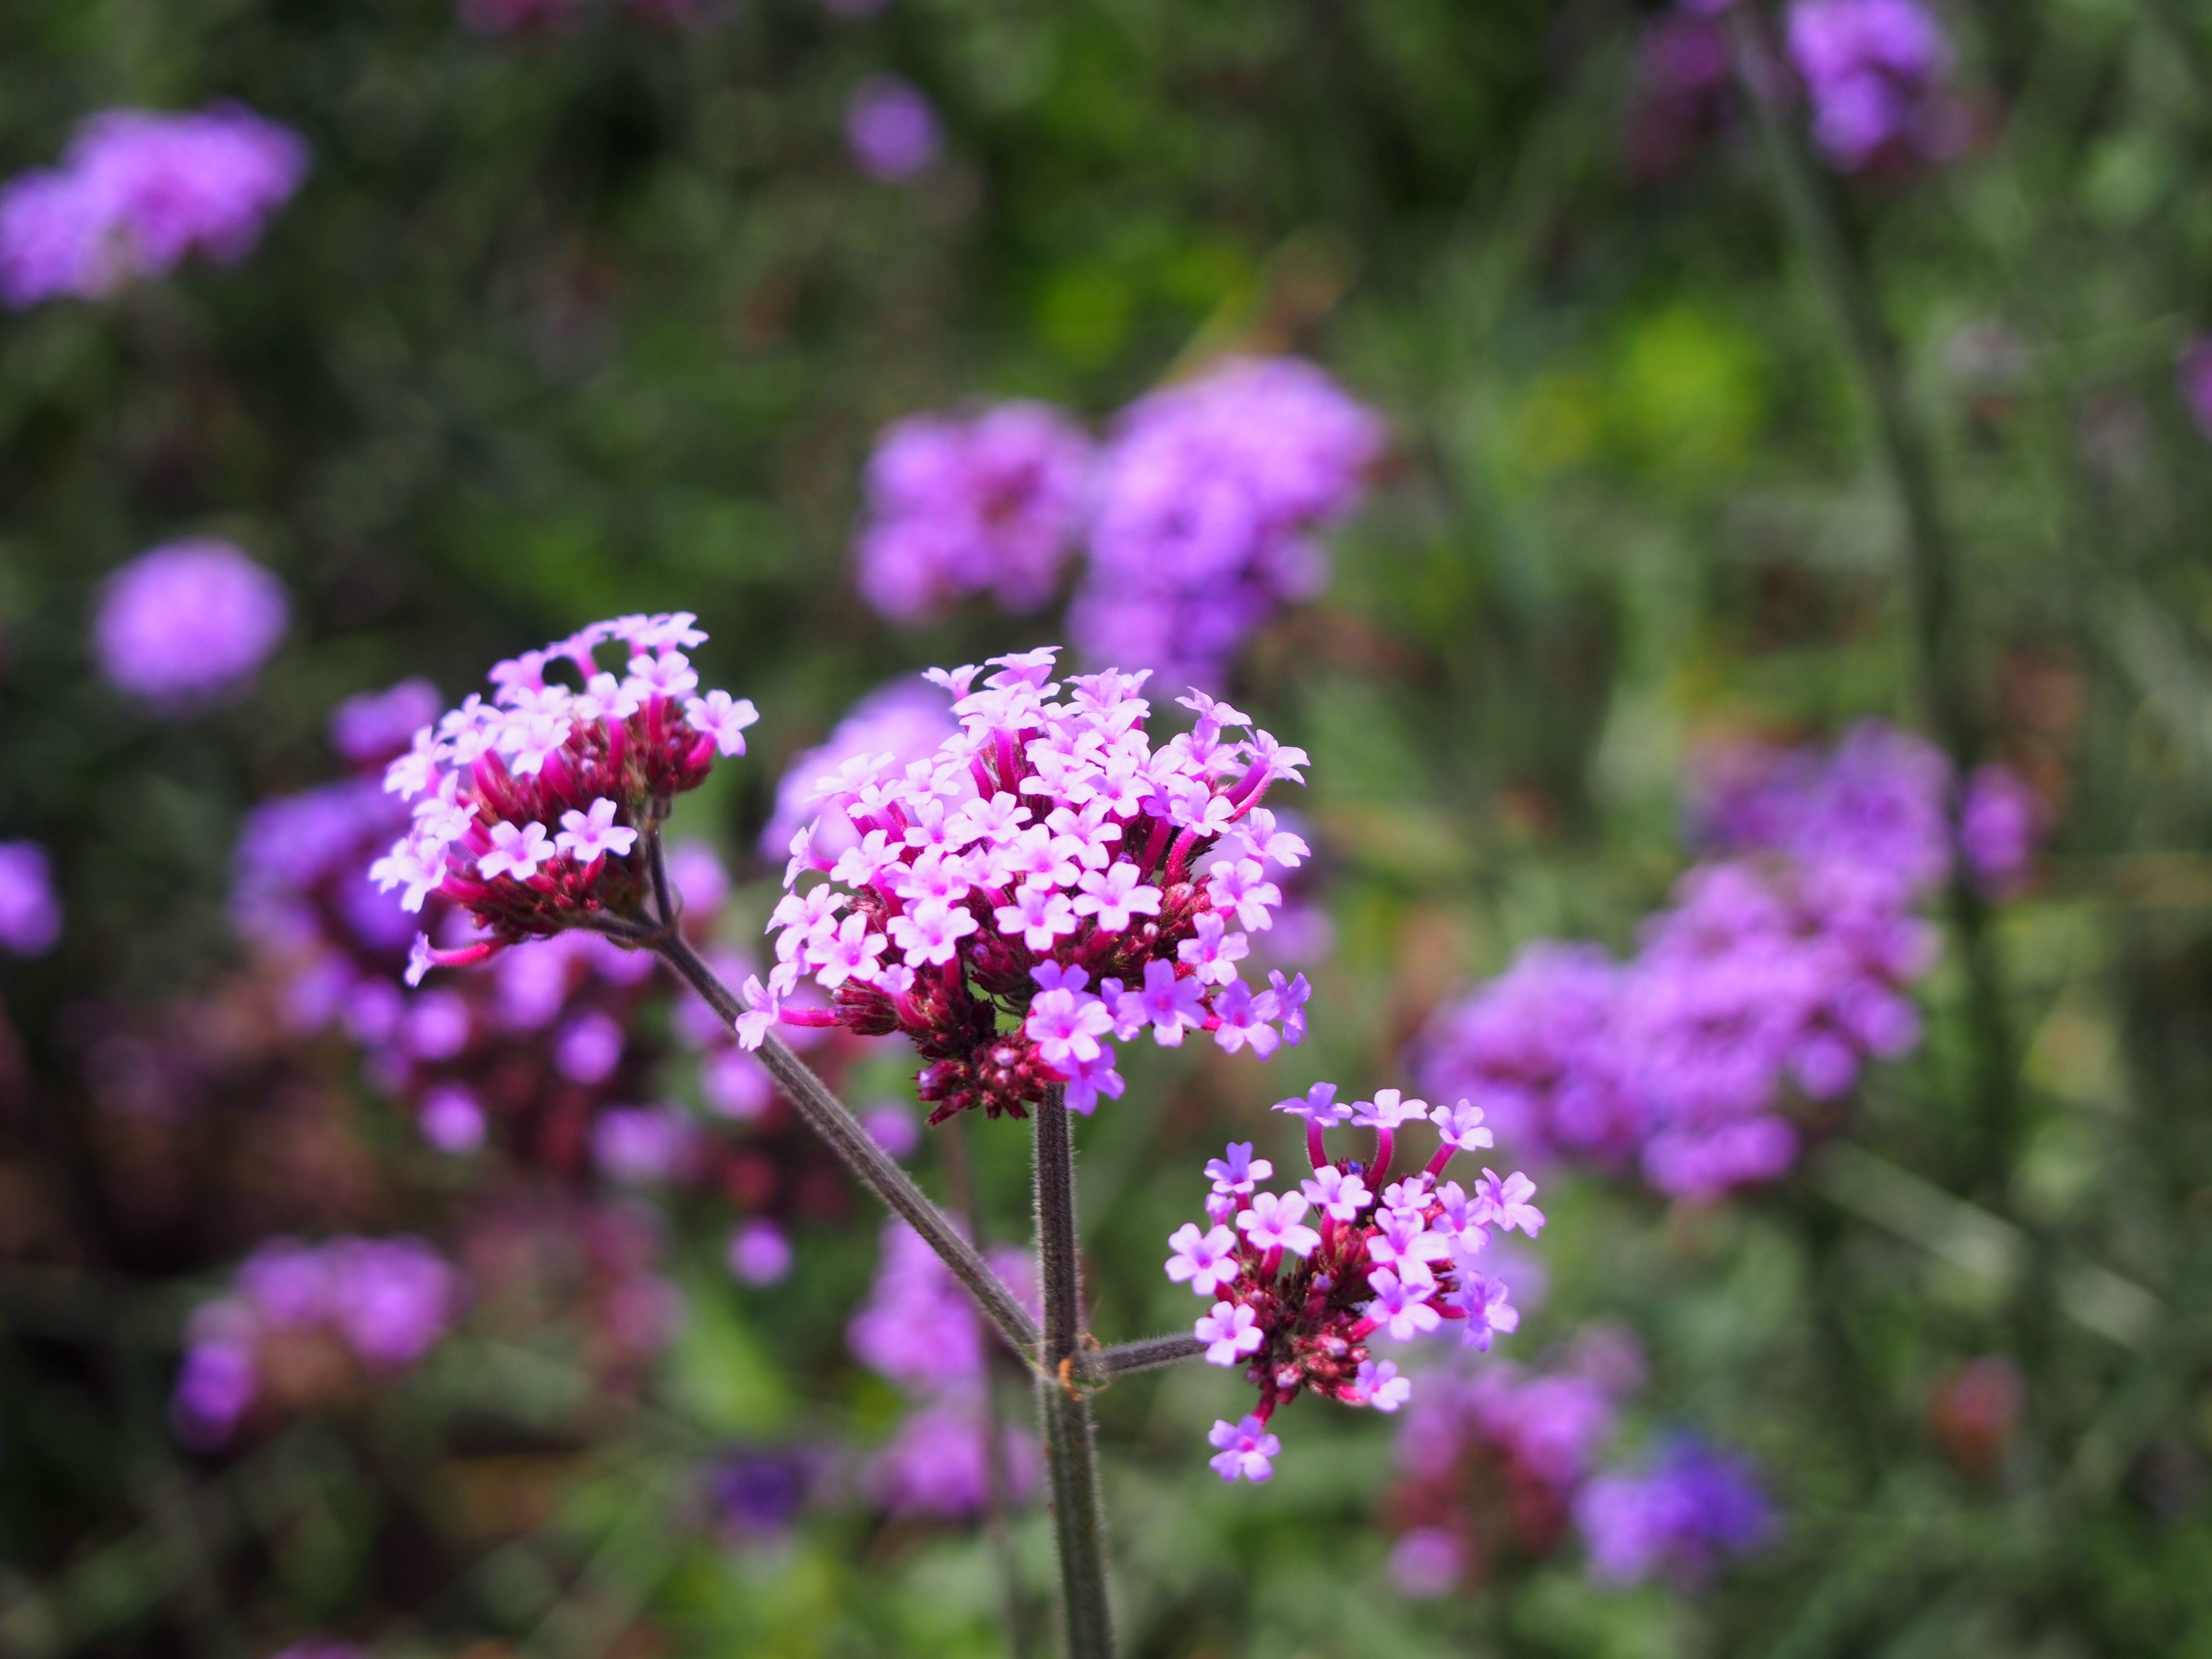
1694 1507
984 503
1210 496
892 128
187 625
136 193
1301 1283
1877 73
30 915
1045 885
528 808
385 1301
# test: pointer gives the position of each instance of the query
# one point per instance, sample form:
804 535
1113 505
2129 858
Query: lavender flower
30 916
1681 1518
891 130
1876 72
186 624
987 503
759 1253
1209 497
136 193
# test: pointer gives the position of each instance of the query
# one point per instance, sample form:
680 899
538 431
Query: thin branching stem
1942 667
847 1137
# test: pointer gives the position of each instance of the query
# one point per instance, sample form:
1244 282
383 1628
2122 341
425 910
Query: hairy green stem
1940 656
1078 1515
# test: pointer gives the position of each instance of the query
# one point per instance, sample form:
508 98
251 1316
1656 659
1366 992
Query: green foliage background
600 318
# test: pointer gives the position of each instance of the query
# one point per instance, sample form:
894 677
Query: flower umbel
1297 1305
1037 890
528 809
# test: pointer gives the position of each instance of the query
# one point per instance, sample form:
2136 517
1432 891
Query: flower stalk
1809 208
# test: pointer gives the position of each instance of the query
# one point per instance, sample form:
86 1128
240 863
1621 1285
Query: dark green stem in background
1078 1517
1931 566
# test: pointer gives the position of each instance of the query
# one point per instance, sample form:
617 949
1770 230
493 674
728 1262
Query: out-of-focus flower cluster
1689 1509
1491 1459
136 192
1297 1304
30 915
1046 883
307 1325
1781 969
1201 511
920 1329
1878 74
187 625
528 809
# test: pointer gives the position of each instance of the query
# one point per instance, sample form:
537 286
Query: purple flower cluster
384 1302
136 193
1877 72
1209 497
1295 1305
1497 1457
1200 513
1681 90
985 502
1680 1518
1783 964
1046 850
527 808
187 625
892 128
919 1330
30 916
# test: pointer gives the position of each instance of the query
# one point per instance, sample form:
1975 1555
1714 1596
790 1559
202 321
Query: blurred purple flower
1876 73
30 916
451 1120
136 192
1681 90
934 1465
756 1495
892 128
1426 1563
506 16
642 1146
375 727
185 624
906 720
987 503
1692 1508
2192 374
1209 496
759 1253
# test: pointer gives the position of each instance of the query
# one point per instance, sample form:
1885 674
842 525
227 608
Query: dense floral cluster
1047 849
1783 964
1680 1517
989 502
1295 1305
1877 72
186 624
920 1329
30 915
136 193
1201 511
528 809
363 1307
1491 1461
